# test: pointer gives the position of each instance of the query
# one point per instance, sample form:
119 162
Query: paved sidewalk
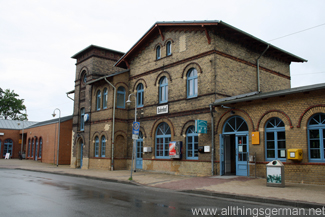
237 187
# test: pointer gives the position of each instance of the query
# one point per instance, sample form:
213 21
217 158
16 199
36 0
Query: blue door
242 155
222 155
81 150
139 155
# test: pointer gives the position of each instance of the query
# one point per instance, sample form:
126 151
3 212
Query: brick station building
186 71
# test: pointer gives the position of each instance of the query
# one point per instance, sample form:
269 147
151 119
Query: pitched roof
13 124
256 95
94 46
52 121
229 30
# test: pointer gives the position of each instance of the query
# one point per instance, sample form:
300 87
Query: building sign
162 109
201 126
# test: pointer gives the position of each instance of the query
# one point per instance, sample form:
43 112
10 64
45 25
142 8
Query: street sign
201 126
134 136
136 128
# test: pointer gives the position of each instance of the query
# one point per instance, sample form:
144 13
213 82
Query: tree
10 106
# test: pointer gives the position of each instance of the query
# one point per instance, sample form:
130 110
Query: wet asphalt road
26 193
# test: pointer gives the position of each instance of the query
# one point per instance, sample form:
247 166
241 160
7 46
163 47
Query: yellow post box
295 154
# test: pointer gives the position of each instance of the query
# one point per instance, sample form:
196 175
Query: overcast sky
38 38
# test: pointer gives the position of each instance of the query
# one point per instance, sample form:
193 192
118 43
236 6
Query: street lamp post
135 120
57 158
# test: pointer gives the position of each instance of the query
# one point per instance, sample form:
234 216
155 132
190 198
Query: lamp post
135 120
57 158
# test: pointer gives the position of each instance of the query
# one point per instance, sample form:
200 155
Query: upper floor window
140 91
275 140
84 77
158 53
316 138
96 146
82 121
192 83
103 147
105 98
120 97
192 144
169 48
163 90
98 96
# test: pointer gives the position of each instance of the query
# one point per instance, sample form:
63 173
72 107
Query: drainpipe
69 97
113 127
212 140
258 69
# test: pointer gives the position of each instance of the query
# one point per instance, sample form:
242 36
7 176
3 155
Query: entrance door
242 155
139 154
222 155
81 151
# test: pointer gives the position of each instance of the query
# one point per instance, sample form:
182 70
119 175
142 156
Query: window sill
164 57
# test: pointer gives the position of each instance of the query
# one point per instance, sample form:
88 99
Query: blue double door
234 152
139 154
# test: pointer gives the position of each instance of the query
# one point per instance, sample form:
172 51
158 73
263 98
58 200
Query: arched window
32 152
36 148
158 52
275 141
163 90
105 98
192 144
120 97
84 77
7 147
140 92
316 138
96 146
140 145
82 121
98 96
169 48
103 147
235 124
40 147
28 149
192 83
163 137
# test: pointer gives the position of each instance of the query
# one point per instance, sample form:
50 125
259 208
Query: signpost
201 126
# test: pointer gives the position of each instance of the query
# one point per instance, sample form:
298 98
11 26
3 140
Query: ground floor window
192 143
316 138
103 148
40 148
96 146
163 137
275 140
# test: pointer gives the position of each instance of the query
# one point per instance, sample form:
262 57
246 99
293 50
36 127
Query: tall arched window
98 96
158 52
82 121
84 76
163 90
40 147
103 147
105 98
32 152
192 144
275 140
120 97
169 48
96 146
7 147
140 92
316 138
36 148
163 137
192 83
28 149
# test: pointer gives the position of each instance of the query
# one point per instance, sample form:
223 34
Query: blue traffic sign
136 128
201 126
